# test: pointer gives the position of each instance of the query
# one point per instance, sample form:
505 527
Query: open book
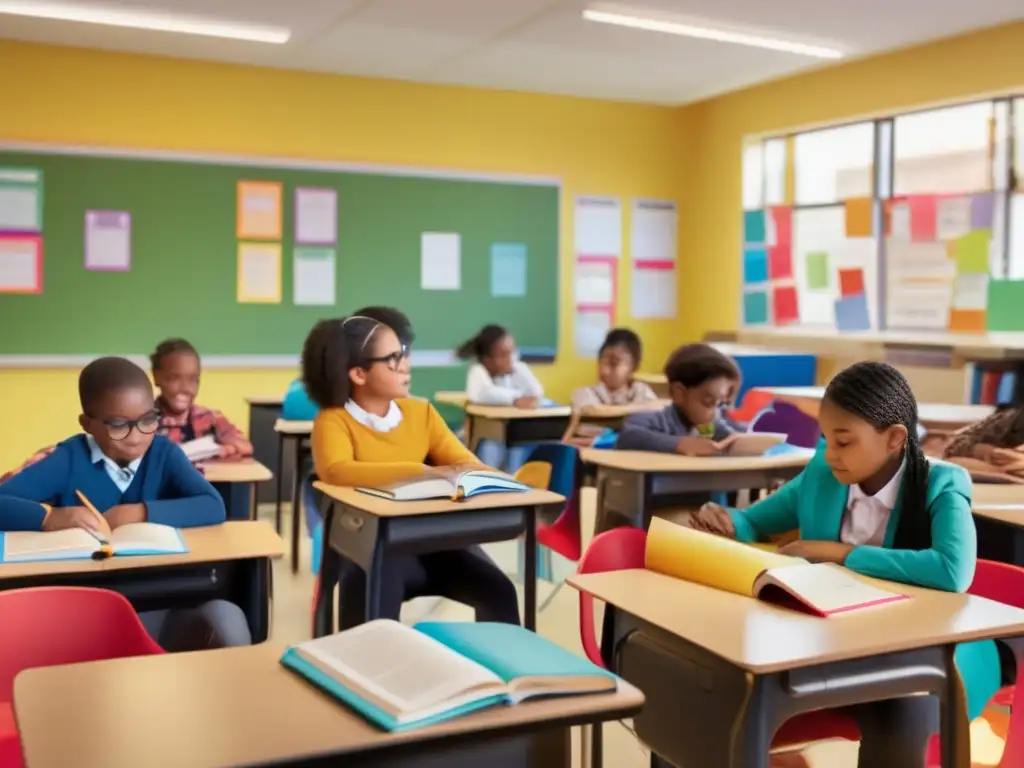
402 677
714 561
470 483
79 544
751 443
201 448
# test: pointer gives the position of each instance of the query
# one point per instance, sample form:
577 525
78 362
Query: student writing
617 361
872 501
700 380
370 433
131 475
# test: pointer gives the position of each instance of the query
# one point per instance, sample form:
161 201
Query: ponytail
480 345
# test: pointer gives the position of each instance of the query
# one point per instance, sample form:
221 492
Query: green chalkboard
182 280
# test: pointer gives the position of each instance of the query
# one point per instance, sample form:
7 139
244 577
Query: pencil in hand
104 533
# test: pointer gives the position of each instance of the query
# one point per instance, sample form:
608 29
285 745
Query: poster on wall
597 240
652 240
108 240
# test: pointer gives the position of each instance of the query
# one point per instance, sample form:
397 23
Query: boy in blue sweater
131 475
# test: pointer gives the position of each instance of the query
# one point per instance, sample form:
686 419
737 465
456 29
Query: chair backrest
45 626
614 550
562 459
536 474
1001 582
799 428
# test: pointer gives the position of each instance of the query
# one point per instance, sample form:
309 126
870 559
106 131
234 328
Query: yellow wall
710 225
65 95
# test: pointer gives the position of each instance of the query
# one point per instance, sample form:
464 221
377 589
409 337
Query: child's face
701 404
854 449
178 380
123 423
615 367
386 374
502 356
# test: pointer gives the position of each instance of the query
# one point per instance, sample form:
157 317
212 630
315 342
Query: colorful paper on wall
782 227
971 252
21 264
653 289
983 206
754 227
967 320
314 277
784 303
652 230
755 308
259 210
898 221
508 269
851 281
780 262
970 291
922 218
440 261
21 200
816 265
316 216
108 240
952 217
595 282
858 217
591 326
755 265
1005 299
597 226
259 273
852 313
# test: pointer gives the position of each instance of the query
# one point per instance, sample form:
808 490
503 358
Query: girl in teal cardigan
872 501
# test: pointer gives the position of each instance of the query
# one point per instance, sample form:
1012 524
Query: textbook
402 677
79 544
751 443
200 449
822 589
464 486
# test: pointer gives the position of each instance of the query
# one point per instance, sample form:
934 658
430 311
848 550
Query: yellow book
757 571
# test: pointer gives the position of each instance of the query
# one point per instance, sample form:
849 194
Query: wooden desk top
223 708
649 461
375 505
650 378
244 471
274 400
763 638
286 427
600 411
509 412
999 502
458 399
233 540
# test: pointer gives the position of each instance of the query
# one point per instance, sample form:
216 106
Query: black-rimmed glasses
119 429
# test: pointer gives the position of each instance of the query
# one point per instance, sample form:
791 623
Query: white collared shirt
482 389
384 423
867 517
121 476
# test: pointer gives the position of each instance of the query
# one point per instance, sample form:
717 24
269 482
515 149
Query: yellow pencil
105 549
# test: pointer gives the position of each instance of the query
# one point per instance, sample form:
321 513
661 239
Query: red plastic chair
1003 583
623 548
46 626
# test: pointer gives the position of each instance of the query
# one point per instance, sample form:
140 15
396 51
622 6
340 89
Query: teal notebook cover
59 556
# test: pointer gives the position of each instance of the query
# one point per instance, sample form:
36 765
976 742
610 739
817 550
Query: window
944 150
834 164
753 176
775 172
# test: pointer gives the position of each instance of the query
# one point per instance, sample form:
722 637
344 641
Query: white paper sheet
970 292
18 270
19 208
108 240
259 273
316 216
653 230
952 217
899 223
920 305
597 226
313 277
590 329
440 261
595 283
653 293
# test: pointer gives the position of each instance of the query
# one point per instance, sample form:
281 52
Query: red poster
922 218
780 262
851 282
782 218
784 302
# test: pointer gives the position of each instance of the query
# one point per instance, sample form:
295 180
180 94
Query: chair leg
550 597
586 756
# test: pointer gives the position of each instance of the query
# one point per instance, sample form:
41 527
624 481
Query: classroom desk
237 481
999 518
365 529
263 412
224 708
458 399
298 432
609 416
509 425
229 561
627 481
721 672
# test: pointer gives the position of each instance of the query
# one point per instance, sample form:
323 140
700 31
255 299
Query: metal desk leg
296 504
955 730
530 571
280 482
375 575
253 500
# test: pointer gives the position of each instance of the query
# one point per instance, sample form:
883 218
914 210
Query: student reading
370 433
871 500
131 475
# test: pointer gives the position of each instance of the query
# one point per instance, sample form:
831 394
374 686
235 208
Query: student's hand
818 551
62 518
1004 457
124 514
697 446
713 518
725 443
526 402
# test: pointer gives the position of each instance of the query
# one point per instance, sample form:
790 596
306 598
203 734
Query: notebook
401 677
78 544
751 443
200 449
464 486
823 589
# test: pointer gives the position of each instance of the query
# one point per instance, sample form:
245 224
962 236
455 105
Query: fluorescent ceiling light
706 33
143 19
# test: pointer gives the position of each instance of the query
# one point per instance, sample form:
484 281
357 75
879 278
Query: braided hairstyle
332 349
880 395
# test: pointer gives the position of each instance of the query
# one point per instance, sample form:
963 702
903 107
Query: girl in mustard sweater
369 432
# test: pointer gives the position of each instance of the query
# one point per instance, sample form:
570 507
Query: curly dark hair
480 345
393 319
333 348
693 364
169 347
623 337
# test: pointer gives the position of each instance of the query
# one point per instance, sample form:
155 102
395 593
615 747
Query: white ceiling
536 45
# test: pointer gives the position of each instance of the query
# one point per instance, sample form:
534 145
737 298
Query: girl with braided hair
870 500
